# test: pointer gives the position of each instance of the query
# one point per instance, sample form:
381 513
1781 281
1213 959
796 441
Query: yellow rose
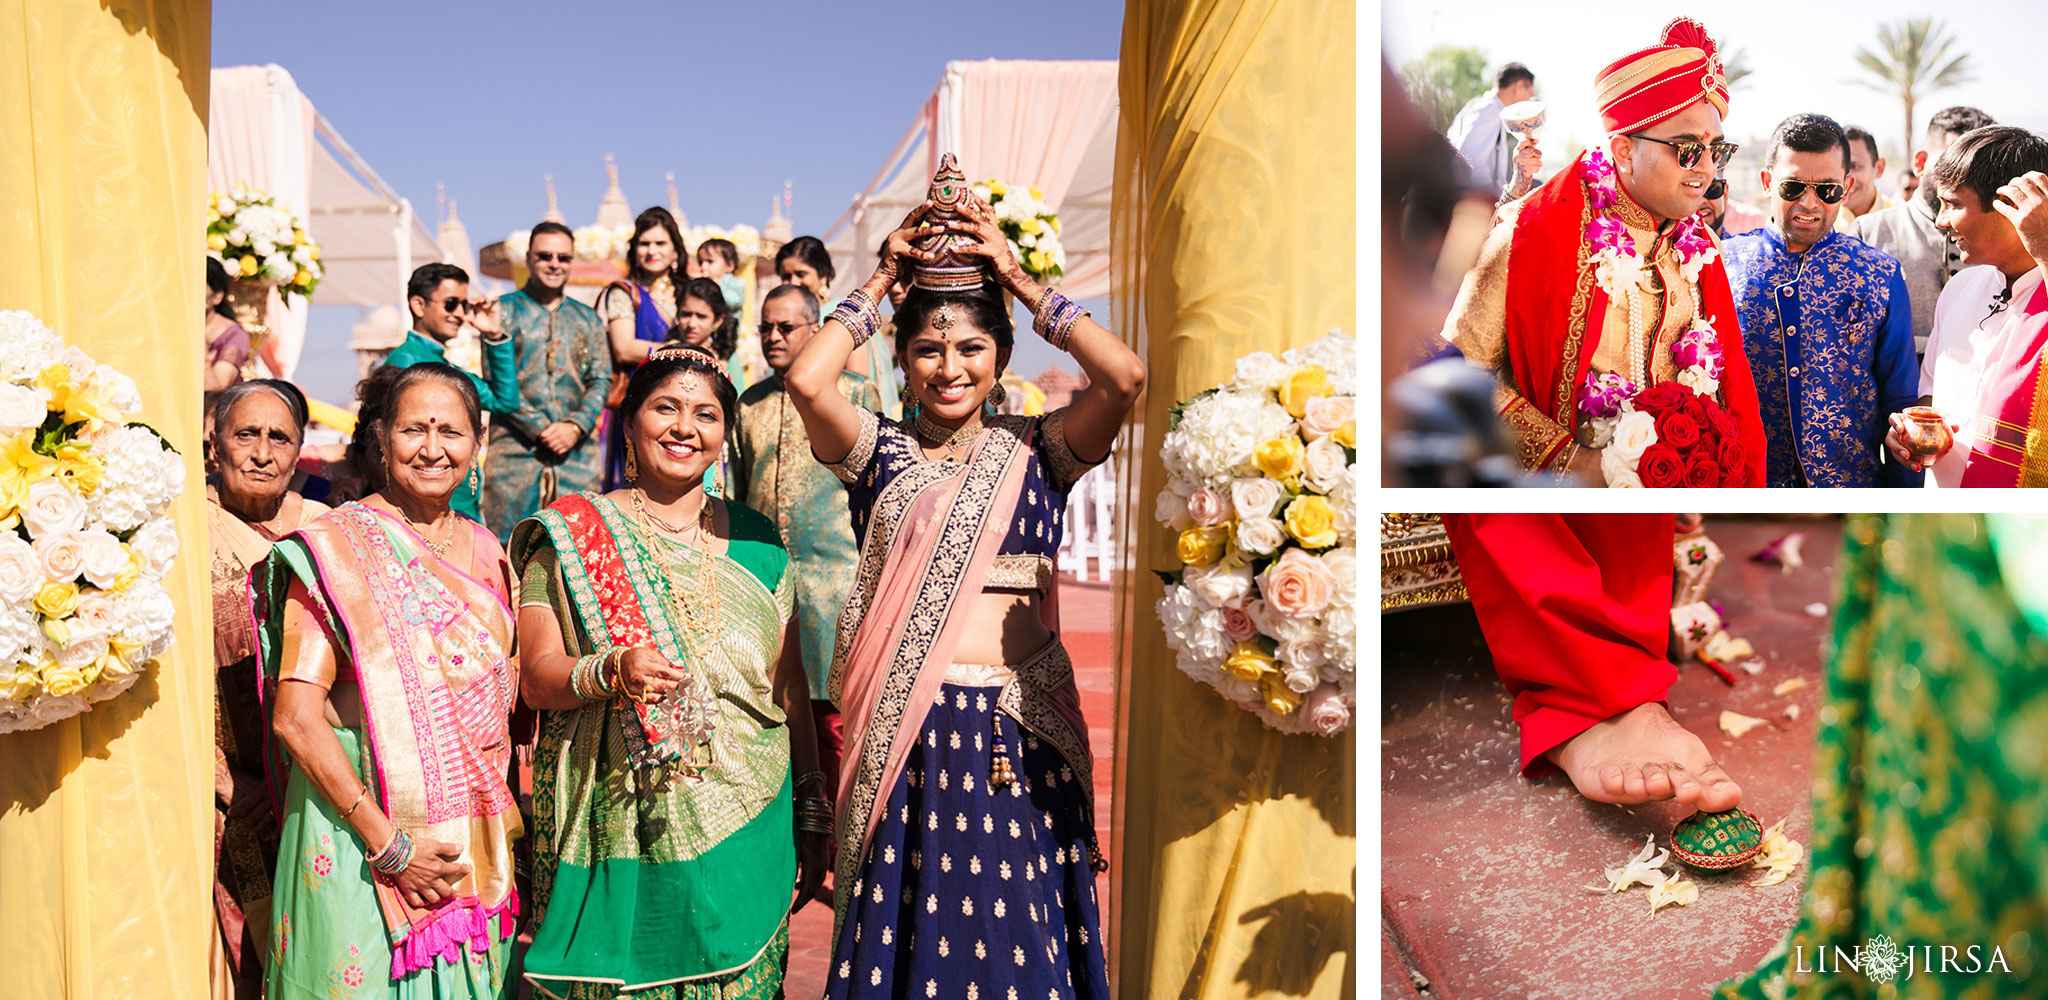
1311 521
302 278
1248 661
1302 386
57 600
240 191
1055 225
1033 226
248 266
112 665
996 189
1346 434
63 681
1199 546
1036 194
131 574
313 251
216 243
1281 458
298 237
1283 700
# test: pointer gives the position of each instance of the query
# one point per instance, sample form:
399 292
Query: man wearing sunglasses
774 473
564 368
1825 320
1550 311
438 295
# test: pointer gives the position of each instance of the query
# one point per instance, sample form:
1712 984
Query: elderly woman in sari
967 848
675 778
387 637
257 429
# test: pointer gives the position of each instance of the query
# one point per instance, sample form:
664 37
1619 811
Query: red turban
1648 86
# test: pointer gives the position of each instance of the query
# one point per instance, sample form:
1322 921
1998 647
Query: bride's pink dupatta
935 534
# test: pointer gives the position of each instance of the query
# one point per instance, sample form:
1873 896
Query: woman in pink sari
386 643
967 850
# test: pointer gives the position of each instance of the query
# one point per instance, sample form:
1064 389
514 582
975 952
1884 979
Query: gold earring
632 465
997 395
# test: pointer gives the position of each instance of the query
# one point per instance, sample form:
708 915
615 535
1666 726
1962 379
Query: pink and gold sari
2011 447
430 648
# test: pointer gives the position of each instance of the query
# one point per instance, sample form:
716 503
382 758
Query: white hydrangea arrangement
85 533
1029 224
259 238
1262 487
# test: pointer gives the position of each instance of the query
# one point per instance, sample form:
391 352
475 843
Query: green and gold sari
1930 772
649 880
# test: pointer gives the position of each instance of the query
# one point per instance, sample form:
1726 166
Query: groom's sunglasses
1689 151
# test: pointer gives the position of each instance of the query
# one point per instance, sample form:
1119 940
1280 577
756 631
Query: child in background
718 260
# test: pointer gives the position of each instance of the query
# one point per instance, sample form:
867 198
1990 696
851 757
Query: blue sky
735 98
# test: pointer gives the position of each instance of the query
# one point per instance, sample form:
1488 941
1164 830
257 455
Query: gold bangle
358 803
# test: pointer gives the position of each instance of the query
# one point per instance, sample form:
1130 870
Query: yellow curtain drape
106 835
1234 232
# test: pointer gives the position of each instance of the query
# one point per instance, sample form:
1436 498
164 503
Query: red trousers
1576 610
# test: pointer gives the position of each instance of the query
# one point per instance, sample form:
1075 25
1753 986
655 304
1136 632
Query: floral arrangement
1263 487
1031 227
258 237
85 538
595 242
744 238
1673 433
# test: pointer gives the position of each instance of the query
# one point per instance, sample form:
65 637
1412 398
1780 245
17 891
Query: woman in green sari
675 778
386 637
1930 771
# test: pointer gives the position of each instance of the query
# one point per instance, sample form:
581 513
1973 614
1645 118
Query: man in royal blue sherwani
1825 321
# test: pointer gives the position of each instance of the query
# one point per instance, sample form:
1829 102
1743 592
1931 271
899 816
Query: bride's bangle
859 314
1054 318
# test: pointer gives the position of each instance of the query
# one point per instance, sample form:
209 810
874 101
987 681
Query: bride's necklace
931 434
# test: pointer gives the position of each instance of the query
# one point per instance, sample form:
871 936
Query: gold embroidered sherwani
1477 326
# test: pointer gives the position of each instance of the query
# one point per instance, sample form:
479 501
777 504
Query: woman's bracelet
608 679
396 855
814 815
859 314
1054 318
351 810
584 682
819 776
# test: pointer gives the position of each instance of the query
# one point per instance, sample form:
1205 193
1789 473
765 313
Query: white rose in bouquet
1634 433
1260 536
21 573
1343 566
1171 507
22 408
1260 371
52 507
157 543
1219 586
1326 463
62 554
105 560
1254 497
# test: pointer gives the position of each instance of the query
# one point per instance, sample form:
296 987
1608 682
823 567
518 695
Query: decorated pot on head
949 271
1717 841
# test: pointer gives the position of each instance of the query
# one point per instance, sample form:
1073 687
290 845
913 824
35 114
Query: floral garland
85 534
1031 227
1673 433
257 236
1262 487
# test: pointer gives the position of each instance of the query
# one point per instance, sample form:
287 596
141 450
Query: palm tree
1912 61
1736 66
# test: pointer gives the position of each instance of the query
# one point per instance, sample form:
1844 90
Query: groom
1546 317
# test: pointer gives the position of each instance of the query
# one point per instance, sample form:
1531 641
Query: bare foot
1642 755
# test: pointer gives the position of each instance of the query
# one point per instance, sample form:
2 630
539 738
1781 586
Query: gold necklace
932 434
703 516
439 548
695 616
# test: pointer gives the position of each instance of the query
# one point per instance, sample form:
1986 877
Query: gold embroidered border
1575 323
1442 593
1538 437
1028 699
2034 455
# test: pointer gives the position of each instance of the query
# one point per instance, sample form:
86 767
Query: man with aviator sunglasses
1825 319
438 295
1585 288
564 368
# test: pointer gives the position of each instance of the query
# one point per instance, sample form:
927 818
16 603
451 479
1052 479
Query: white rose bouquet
85 536
258 237
1262 480
1031 227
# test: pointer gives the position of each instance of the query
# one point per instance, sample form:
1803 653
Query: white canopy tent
263 132
1049 125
